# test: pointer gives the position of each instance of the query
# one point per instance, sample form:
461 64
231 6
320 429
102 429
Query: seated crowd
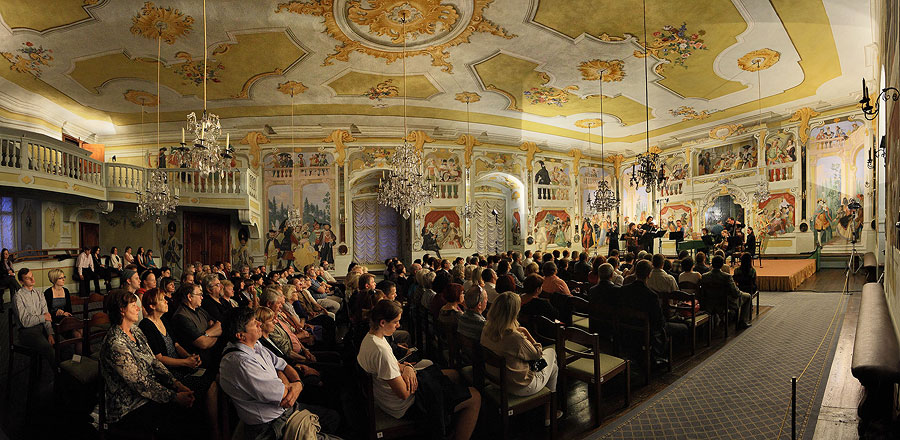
279 345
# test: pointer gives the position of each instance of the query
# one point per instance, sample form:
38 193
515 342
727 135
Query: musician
613 236
723 243
750 242
707 238
631 238
732 225
649 233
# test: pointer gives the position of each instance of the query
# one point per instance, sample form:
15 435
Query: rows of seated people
281 344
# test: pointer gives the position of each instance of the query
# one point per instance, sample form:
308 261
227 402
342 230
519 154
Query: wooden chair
694 319
581 312
95 330
35 363
758 251
450 336
716 305
89 304
591 366
474 373
379 425
510 405
633 322
688 287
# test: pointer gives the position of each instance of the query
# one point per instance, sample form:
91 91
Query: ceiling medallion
142 98
167 23
372 27
468 97
292 88
688 113
758 60
588 123
613 70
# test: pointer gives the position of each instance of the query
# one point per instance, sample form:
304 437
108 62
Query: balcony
41 163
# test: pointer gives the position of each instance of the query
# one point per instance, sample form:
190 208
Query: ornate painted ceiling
526 69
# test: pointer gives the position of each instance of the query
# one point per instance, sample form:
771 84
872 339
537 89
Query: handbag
537 364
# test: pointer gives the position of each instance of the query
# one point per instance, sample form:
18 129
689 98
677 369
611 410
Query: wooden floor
837 416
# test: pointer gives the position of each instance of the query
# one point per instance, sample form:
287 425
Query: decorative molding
803 115
576 156
419 138
531 149
254 139
338 137
166 23
725 131
766 58
469 142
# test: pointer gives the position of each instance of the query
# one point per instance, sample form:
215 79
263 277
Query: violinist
631 238
648 234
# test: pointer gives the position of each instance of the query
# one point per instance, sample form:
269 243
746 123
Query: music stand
676 235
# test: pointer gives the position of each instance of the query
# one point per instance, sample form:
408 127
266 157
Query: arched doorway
378 232
499 207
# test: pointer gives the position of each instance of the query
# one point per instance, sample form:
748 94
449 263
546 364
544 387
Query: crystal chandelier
647 170
404 187
295 214
155 199
762 193
206 155
605 199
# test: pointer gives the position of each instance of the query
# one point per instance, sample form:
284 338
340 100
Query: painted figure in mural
541 233
542 177
587 234
300 161
171 248
272 252
325 245
822 223
286 245
850 220
704 162
429 242
563 232
283 160
240 256
303 251
603 226
516 229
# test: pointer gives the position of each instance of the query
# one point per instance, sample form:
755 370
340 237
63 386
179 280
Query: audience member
194 329
700 263
531 302
605 293
7 276
34 319
141 394
552 283
213 302
688 274
503 336
262 386
639 297
489 277
84 272
745 275
471 322
716 283
59 302
452 308
659 280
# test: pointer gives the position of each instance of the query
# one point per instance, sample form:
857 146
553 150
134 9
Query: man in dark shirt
582 269
716 282
192 326
605 293
639 297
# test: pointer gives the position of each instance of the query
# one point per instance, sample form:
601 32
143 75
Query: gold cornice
338 138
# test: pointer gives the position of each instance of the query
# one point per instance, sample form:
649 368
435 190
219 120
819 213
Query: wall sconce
871 112
876 152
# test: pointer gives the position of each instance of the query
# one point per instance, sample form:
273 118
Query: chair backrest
632 321
543 329
591 341
688 286
579 306
95 329
560 302
711 300
497 371
364 380
63 328
474 350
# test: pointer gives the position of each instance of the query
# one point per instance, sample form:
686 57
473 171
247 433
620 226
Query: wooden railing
50 157
185 181
43 254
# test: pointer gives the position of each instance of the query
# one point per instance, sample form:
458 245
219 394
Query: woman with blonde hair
532 268
59 301
529 366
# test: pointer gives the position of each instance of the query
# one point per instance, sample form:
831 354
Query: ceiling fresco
527 68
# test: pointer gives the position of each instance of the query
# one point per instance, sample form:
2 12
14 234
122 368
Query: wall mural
52 226
552 228
498 162
240 255
302 179
442 226
832 135
369 157
781 148
676 167
516 228
170 245
732 157
595 230
677 218
442 167
722 208
552 172
776 215
589 177
635 202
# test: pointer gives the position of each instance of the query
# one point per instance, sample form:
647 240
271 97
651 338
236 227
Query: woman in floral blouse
139 390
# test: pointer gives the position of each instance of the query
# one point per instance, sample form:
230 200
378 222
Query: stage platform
783 275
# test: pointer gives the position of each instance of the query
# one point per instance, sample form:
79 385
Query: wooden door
206 237
88 234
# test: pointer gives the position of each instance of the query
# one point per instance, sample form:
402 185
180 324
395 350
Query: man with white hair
471 322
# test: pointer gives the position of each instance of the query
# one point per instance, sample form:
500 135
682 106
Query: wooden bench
870 263
876 363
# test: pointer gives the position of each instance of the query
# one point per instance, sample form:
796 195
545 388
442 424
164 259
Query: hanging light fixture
647 170
605 199
155 199
206 154
295 214
468 209
762 193
405 186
